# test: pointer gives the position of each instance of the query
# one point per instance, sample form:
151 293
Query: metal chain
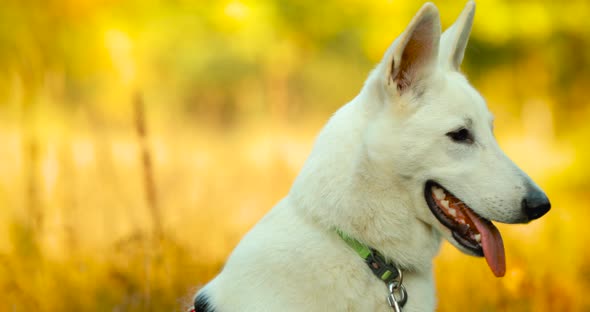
396 288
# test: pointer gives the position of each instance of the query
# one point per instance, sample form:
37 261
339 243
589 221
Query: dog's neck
339 187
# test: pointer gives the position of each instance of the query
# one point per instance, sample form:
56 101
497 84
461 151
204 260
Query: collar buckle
383 270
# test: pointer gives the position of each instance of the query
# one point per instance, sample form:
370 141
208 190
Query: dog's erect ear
454 39
413 55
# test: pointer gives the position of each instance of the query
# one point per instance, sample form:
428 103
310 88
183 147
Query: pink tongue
491 241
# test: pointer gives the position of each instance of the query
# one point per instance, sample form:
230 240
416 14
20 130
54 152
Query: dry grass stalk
147 166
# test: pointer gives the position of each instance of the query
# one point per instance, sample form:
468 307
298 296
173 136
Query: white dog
409 161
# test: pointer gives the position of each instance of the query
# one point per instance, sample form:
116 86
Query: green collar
387 272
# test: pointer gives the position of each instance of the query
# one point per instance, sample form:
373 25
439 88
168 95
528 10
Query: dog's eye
461 136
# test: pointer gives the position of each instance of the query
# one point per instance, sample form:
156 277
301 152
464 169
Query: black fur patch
202 303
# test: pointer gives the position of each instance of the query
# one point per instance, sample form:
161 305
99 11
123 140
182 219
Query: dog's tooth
477 238
445 204
438 193
463 228
452 212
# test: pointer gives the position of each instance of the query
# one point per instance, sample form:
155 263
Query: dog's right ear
454 40
413 55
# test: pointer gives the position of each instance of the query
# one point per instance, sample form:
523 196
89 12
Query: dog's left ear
454 40
413 56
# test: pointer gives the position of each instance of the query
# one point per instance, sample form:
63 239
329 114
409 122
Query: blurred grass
234 93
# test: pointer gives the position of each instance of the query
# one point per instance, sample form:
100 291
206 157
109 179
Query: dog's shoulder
203 303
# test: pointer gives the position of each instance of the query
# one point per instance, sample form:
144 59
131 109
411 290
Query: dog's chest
301 268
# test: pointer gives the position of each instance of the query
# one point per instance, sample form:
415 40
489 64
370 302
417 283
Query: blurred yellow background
142 139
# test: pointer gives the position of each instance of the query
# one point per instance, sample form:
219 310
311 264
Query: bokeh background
141 139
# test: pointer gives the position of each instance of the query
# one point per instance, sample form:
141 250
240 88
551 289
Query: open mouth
474 233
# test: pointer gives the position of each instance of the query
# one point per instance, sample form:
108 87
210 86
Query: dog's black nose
535 204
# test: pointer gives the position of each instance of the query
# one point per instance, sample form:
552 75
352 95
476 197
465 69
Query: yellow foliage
235 92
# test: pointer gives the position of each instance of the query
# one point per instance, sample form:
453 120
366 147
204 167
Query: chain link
396 288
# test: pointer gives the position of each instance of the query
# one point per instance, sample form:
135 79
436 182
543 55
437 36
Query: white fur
366 176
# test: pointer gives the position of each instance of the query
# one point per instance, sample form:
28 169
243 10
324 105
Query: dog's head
439 140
